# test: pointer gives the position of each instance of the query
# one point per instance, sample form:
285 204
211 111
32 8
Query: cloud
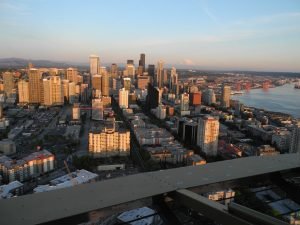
188 62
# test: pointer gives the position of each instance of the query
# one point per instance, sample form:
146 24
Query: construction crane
70 174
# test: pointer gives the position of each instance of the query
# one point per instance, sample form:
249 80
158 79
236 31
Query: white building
78 177
208 133
123 98
140 216
161 112
106 141
12 189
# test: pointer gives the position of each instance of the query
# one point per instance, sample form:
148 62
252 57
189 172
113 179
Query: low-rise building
7 147
12 189
75 178
140 216
266 150
32 165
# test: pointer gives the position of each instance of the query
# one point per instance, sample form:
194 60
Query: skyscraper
142 61
225 98
94 64
151 72
123 98
127 83
47 101
209 97
35 86
295 139
96 82
173 81
8 83
23 91
130 70
159 74
208 133
184 104
153 97
114 70
105 85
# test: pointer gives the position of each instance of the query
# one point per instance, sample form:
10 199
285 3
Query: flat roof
87 197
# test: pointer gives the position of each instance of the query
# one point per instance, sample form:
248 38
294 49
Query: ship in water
297 85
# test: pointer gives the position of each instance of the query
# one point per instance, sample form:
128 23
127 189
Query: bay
285 99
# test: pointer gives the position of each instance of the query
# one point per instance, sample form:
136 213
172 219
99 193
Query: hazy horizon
208 35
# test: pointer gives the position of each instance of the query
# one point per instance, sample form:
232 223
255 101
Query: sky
215 34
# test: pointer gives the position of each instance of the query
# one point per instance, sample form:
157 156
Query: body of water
285 99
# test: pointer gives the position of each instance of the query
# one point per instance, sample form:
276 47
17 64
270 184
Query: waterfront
285 99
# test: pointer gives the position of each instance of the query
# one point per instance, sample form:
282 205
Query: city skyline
212 35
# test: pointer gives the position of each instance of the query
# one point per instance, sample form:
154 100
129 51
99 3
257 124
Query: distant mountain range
23 63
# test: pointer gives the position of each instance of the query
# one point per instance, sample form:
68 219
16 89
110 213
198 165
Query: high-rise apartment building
208 133
94 64
35 86
53 91
72 75
225 97
57 96
8 83
123 98
47 101
295 139
23 91
106 141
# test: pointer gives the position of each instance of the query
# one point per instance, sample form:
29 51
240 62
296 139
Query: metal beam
208 208
253 216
